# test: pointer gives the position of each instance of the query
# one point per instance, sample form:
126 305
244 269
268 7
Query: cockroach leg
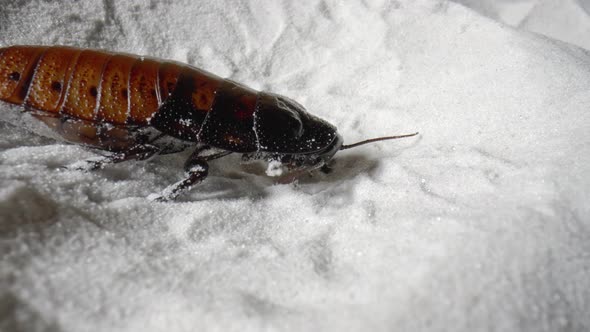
137 152
195 175
196 168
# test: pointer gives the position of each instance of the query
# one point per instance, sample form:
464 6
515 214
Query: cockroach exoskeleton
136 107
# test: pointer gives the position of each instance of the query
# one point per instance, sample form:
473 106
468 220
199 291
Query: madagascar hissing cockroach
136 107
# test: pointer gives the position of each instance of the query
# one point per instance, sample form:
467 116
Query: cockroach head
284 128
287 133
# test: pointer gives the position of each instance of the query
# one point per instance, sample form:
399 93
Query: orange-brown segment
82 93
205 85
49 80
143 82
16 68
114 97
168 77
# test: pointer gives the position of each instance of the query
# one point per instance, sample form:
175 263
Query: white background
480 223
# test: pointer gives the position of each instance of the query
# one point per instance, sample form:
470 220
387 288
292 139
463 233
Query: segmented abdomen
97 86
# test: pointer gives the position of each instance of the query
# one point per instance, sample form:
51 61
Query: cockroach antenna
385 138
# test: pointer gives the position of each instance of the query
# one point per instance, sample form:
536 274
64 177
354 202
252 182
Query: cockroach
136 107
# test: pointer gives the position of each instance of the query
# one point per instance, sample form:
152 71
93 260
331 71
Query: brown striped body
104 99
78 91
94 85
137 107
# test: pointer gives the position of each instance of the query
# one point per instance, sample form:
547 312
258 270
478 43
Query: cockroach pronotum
136 107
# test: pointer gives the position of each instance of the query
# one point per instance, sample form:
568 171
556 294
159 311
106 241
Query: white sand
481 223
565 20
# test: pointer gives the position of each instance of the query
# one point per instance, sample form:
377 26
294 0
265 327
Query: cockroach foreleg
197 173
137 152
196 168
